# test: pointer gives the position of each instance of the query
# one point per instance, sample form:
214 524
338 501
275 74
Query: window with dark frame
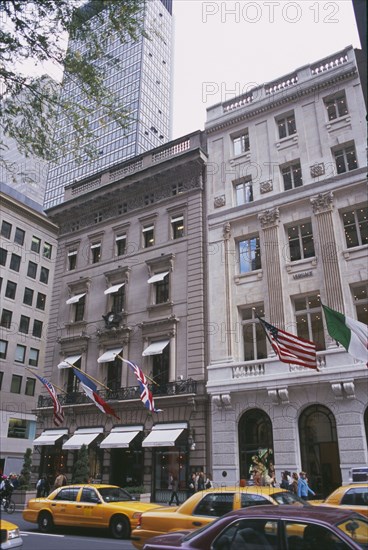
292 176
249 255
243 191
11 289
336 106
20 353
79 309
30 386
41 301
24 324
161 368
286 125
15 262
6 318
32 270
44 275
95 252
37 328
301 244
345 159
177 227
6 228
120 244
35 244
360 294
33 357
47 250
72 260
241 143
16 384
254 337
118 300
309 323
19 236
3 256
3 349
28 296
148 236
356 227
162 290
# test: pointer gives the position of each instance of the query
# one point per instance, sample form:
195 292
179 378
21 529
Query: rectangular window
243 191
241 143
6 318
360 294
95 252
20 354
148 236
17 427
15 262
35 244
28 296
24 324
345 159
356 227
32 270
37 329
162 290
249 255
72 260
3 256
47 251
79 309
1 379
120 244
309 324
117 300
30 386
336 107
301 243
44 275
6 229
177 227
19 236
3 349
33 357
11 289
161 367
41 301
286 125
292 176
254 338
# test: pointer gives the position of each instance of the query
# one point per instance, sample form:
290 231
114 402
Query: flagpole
55 386
148 378
88 375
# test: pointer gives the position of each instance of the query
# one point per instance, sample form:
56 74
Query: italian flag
351 334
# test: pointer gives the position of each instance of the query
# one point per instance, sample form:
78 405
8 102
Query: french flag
90 389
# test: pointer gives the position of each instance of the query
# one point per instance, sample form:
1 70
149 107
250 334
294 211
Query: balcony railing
180 387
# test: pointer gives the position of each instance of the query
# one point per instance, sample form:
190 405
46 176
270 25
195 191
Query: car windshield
289 498
114 494
357 528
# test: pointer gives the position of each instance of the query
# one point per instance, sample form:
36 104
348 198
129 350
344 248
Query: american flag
58 411
146 394
291 348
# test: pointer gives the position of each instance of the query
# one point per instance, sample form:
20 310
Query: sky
224 48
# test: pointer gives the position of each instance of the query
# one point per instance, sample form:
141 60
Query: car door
356 499
62 506
89 509
210 507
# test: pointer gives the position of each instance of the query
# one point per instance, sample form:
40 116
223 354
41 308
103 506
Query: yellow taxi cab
10 537
102 506
352 497
205 506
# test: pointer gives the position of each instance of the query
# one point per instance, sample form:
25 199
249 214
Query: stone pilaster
228 309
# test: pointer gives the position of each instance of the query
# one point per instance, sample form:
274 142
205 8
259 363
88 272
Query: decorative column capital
269 218
227 231
323 202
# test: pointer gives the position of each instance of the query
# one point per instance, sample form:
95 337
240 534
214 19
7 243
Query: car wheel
45 522
119 527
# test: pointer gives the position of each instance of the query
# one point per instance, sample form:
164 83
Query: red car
273 528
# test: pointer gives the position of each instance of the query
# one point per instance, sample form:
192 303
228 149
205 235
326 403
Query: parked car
352 497
205 506
10 537
102 506
273 528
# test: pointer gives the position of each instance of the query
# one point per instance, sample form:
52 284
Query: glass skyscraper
142 81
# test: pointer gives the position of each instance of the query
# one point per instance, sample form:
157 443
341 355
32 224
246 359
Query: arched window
255 439
319 449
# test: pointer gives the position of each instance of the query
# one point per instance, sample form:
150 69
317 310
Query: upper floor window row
336 106
286 125
241 143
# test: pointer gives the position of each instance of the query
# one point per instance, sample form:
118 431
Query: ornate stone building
287 231
130 284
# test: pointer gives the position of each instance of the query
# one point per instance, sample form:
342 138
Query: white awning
83 436
109 355
148 228
72 253
75 299
156 348
164 435
68 361
95 245
120 237
49 437
158 277
113 289
178 219
121 437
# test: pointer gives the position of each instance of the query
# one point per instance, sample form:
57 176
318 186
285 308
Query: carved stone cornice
122 334
165 326
323 202
269 218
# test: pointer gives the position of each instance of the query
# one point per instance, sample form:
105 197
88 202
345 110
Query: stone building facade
287 232
129 284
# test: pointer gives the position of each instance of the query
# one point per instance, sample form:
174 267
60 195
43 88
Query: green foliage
81 467
37 31
25 474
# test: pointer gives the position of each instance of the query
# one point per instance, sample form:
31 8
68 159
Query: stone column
227 235
269 220
322 207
